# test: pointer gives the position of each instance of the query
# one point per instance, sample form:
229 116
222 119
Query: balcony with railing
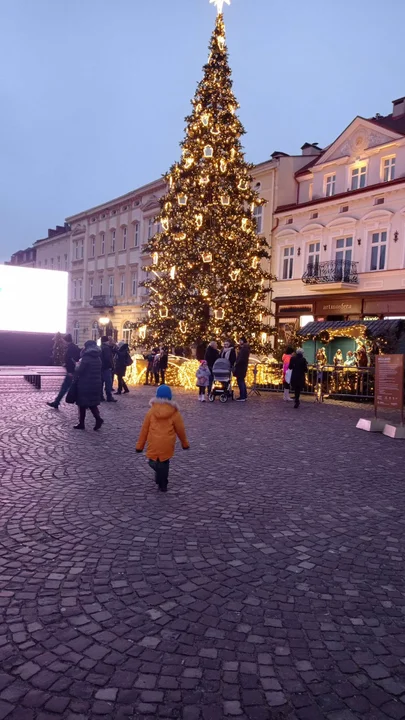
336 273
103 301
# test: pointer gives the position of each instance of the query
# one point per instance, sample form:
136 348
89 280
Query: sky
93 93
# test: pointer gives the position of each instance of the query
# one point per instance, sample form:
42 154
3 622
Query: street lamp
104 321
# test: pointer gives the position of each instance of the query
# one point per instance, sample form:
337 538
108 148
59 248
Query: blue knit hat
164 392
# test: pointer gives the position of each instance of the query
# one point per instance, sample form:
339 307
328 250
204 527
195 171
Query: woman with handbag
286 372
87 385
122 362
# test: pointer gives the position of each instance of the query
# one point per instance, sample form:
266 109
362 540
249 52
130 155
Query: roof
376 327
395 124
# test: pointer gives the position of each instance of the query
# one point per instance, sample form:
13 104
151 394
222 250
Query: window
359 177
150 229
45 263
258 215
66 261
379 201
102 243
330 183
134 284
58 262
111 286
51 263
80 289
124 238
288 263
91 288
113 241
344 208
92 246
378 251
314 251
76 332
343 258
314 215
289 221
76 250
82 250
101 284
388 169
74 290
122 285
94 331
136 234
126 333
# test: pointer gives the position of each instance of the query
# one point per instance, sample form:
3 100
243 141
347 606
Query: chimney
311 149
398 107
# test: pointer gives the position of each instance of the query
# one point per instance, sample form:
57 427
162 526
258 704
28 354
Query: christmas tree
206 277
58 349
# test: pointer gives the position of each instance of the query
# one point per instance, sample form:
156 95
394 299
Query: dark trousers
67 381
162 376
156 375
107 382
122 384
297 393
161 469
149 374
242 388
201 390
82 413
211 381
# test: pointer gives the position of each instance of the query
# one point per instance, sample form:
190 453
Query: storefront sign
385 307
389 382
295 309
338 307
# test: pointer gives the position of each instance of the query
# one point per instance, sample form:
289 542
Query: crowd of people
238 366
90 375
156 368
295 368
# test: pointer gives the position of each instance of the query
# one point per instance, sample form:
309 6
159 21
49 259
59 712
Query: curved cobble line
268 584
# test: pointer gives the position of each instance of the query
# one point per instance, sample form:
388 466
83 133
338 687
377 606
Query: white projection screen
33 300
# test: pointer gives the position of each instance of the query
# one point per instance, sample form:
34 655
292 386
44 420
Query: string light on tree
204 283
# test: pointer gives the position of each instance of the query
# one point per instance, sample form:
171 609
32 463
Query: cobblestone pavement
267 584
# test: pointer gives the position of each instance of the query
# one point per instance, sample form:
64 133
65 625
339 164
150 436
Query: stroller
222 385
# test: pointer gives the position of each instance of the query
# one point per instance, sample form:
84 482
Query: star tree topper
220 4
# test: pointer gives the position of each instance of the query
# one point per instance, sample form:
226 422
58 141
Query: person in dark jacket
88 381
107 367
122 361
211 355
241 368
299 367
72 355
150 358
229 353
163 363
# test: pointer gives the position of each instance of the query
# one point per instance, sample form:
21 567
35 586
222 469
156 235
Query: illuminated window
388 169
258 215
378 251
288 263
330 183
359 177
136 234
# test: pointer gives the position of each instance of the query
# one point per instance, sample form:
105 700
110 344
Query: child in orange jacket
162 424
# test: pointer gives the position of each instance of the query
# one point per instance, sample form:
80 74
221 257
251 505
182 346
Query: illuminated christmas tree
207 278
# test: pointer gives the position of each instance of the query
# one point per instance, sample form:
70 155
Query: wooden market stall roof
376 328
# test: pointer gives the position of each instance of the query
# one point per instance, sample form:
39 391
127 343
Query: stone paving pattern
268 584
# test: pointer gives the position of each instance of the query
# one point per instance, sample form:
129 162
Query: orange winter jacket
161 425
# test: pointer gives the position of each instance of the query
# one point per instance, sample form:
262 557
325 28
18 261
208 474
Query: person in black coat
150 358
163 363
72 356
241 368
88 379
299 367
211 355
229 353
122 361
107 361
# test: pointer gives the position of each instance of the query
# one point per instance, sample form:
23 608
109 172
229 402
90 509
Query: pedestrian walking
163 363
150 357
286 364
211 355
72 356
241 368
163 422
107 368
229 353
88 381
122 361
203 376
299 367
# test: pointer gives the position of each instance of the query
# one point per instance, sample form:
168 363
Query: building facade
339 249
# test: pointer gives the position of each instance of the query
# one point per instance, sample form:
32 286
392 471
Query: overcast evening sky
93 93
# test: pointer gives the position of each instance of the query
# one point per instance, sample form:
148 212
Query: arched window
94 331
76 332
127 332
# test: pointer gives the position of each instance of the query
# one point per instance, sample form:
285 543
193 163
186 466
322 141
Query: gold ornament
255 263
142 332
205 293
155 258
163 312
243 185
207 257
173 272
199 220
221 42
188 162
219 314
244 223
215 131
225 200
208 151
235 274
183 326
168 206
205 119
204 179
222 165
165 223
182 200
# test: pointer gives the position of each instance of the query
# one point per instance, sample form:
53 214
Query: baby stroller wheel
211 397
223 398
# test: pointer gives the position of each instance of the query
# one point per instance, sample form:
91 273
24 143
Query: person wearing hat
162 424
88 382
299 367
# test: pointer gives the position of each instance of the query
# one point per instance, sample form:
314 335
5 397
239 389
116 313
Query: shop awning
377 328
